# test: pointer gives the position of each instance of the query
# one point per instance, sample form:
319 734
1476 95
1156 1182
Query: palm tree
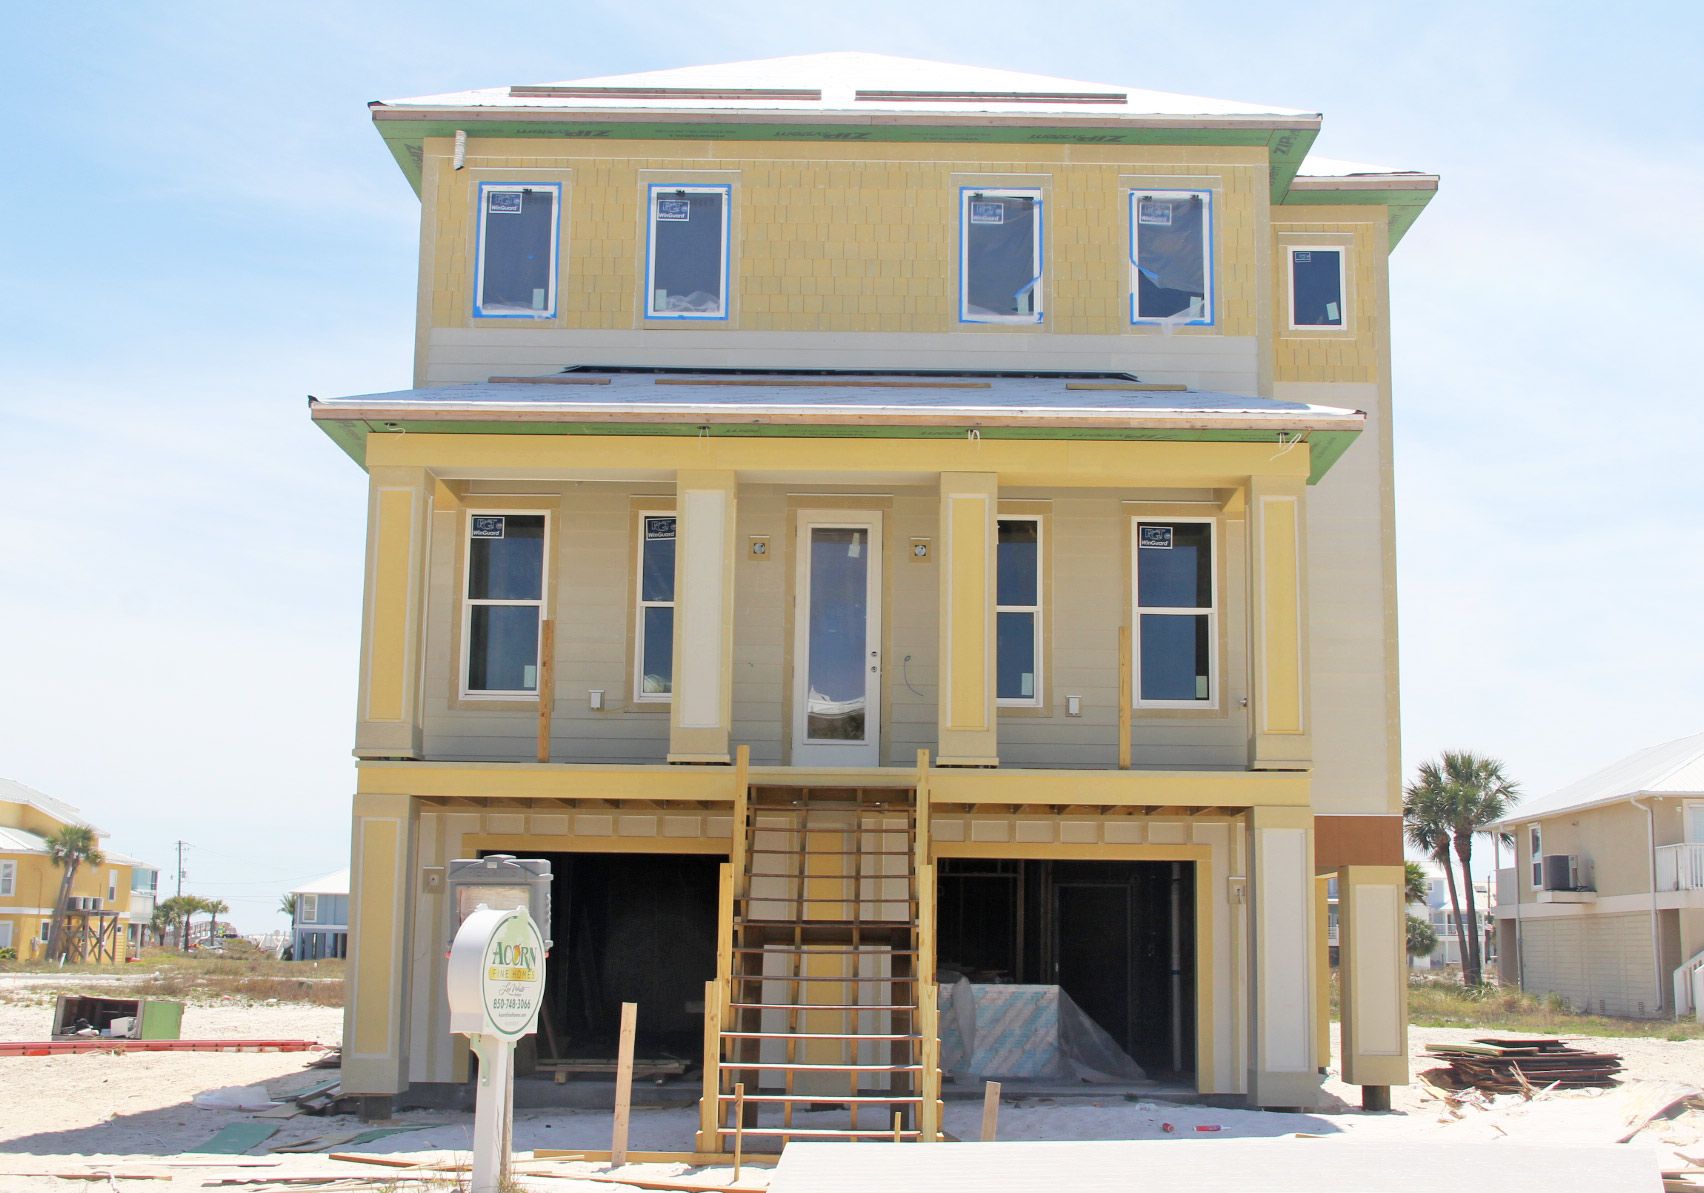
287 906
160 921
69 848
1417 887
1426 822
176 912
1480 794
214 909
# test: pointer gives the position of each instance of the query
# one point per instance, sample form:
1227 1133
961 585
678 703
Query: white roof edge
335 883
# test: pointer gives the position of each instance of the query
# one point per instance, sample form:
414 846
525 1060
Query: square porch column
1372 964
381 898
1283 988
967 731
701 715
399 513
1280 737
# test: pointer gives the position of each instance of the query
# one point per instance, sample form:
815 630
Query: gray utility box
501 881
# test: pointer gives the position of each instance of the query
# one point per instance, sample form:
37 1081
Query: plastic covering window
1176 614
654 620
1000 255
1018 612
686 253
1171 257
504 609
515 277
1535 855
1316 287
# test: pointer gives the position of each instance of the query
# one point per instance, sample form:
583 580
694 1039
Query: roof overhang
1404 195
1287 138
1039 409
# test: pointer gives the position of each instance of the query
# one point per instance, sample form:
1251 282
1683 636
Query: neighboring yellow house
871 523
29 881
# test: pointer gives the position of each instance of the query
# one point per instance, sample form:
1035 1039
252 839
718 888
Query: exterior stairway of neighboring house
826 973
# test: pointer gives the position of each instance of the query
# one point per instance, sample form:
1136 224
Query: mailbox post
496 985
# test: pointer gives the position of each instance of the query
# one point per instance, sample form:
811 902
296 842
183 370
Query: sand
132 1108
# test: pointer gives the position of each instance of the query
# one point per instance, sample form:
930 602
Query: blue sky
202 228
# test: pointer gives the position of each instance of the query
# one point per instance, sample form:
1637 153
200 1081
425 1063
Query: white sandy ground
131 1112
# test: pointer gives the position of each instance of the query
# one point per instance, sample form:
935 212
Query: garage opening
637 928
1118 937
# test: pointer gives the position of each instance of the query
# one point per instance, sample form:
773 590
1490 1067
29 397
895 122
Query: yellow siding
1355 353
824 243
37 887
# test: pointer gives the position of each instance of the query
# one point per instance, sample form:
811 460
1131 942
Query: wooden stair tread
895 1008
826 1099
816 1067
817 1035
827 950
770 977
817 1133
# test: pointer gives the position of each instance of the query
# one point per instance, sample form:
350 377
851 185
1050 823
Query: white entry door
837 665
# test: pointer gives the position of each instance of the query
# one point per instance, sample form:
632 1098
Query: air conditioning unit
1563 872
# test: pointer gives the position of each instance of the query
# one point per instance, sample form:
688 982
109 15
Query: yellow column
1283 983
701 716
967 728
399 509
381 898
1279 733
1372 965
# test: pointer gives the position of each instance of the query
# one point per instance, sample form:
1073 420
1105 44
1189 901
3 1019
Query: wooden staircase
823 1026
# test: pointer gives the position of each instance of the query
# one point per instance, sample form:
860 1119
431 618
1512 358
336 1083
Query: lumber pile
1500 1065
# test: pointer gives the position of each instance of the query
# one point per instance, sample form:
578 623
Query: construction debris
1502 1065
107 1044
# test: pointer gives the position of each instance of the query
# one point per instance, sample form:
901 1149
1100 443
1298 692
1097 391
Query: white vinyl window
46 930
686 252
1317 288
503 613
112 886
8 879
1018 612
5 934
1535 855
515 259
654 586
1694 827
1171 257
307 909
1000 255
1175 642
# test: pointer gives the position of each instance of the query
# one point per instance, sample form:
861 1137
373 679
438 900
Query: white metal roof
335 883
14 792
1314 166
839 77
16 840
1675 768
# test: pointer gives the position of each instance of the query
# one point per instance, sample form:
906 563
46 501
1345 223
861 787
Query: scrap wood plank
650 1182
236 1139
103 1174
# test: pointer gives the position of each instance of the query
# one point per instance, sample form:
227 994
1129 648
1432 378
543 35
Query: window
1171 257
5 934
1535 855
307 908
999 256
1316 288
46 930
8 878
505 603
515 264
653 661
1176 638
1018 611
686 252
1694 828
112 886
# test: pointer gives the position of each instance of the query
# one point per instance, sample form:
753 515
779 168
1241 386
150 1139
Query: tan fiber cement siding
591 589
1613 841
1601 964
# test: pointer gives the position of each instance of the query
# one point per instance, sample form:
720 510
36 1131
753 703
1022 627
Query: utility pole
180 846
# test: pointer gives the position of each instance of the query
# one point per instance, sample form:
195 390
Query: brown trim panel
1357 841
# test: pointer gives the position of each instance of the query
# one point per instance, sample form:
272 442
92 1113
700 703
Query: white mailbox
495 988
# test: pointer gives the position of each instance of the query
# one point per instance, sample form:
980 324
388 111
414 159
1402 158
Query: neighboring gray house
1605 902
320 928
